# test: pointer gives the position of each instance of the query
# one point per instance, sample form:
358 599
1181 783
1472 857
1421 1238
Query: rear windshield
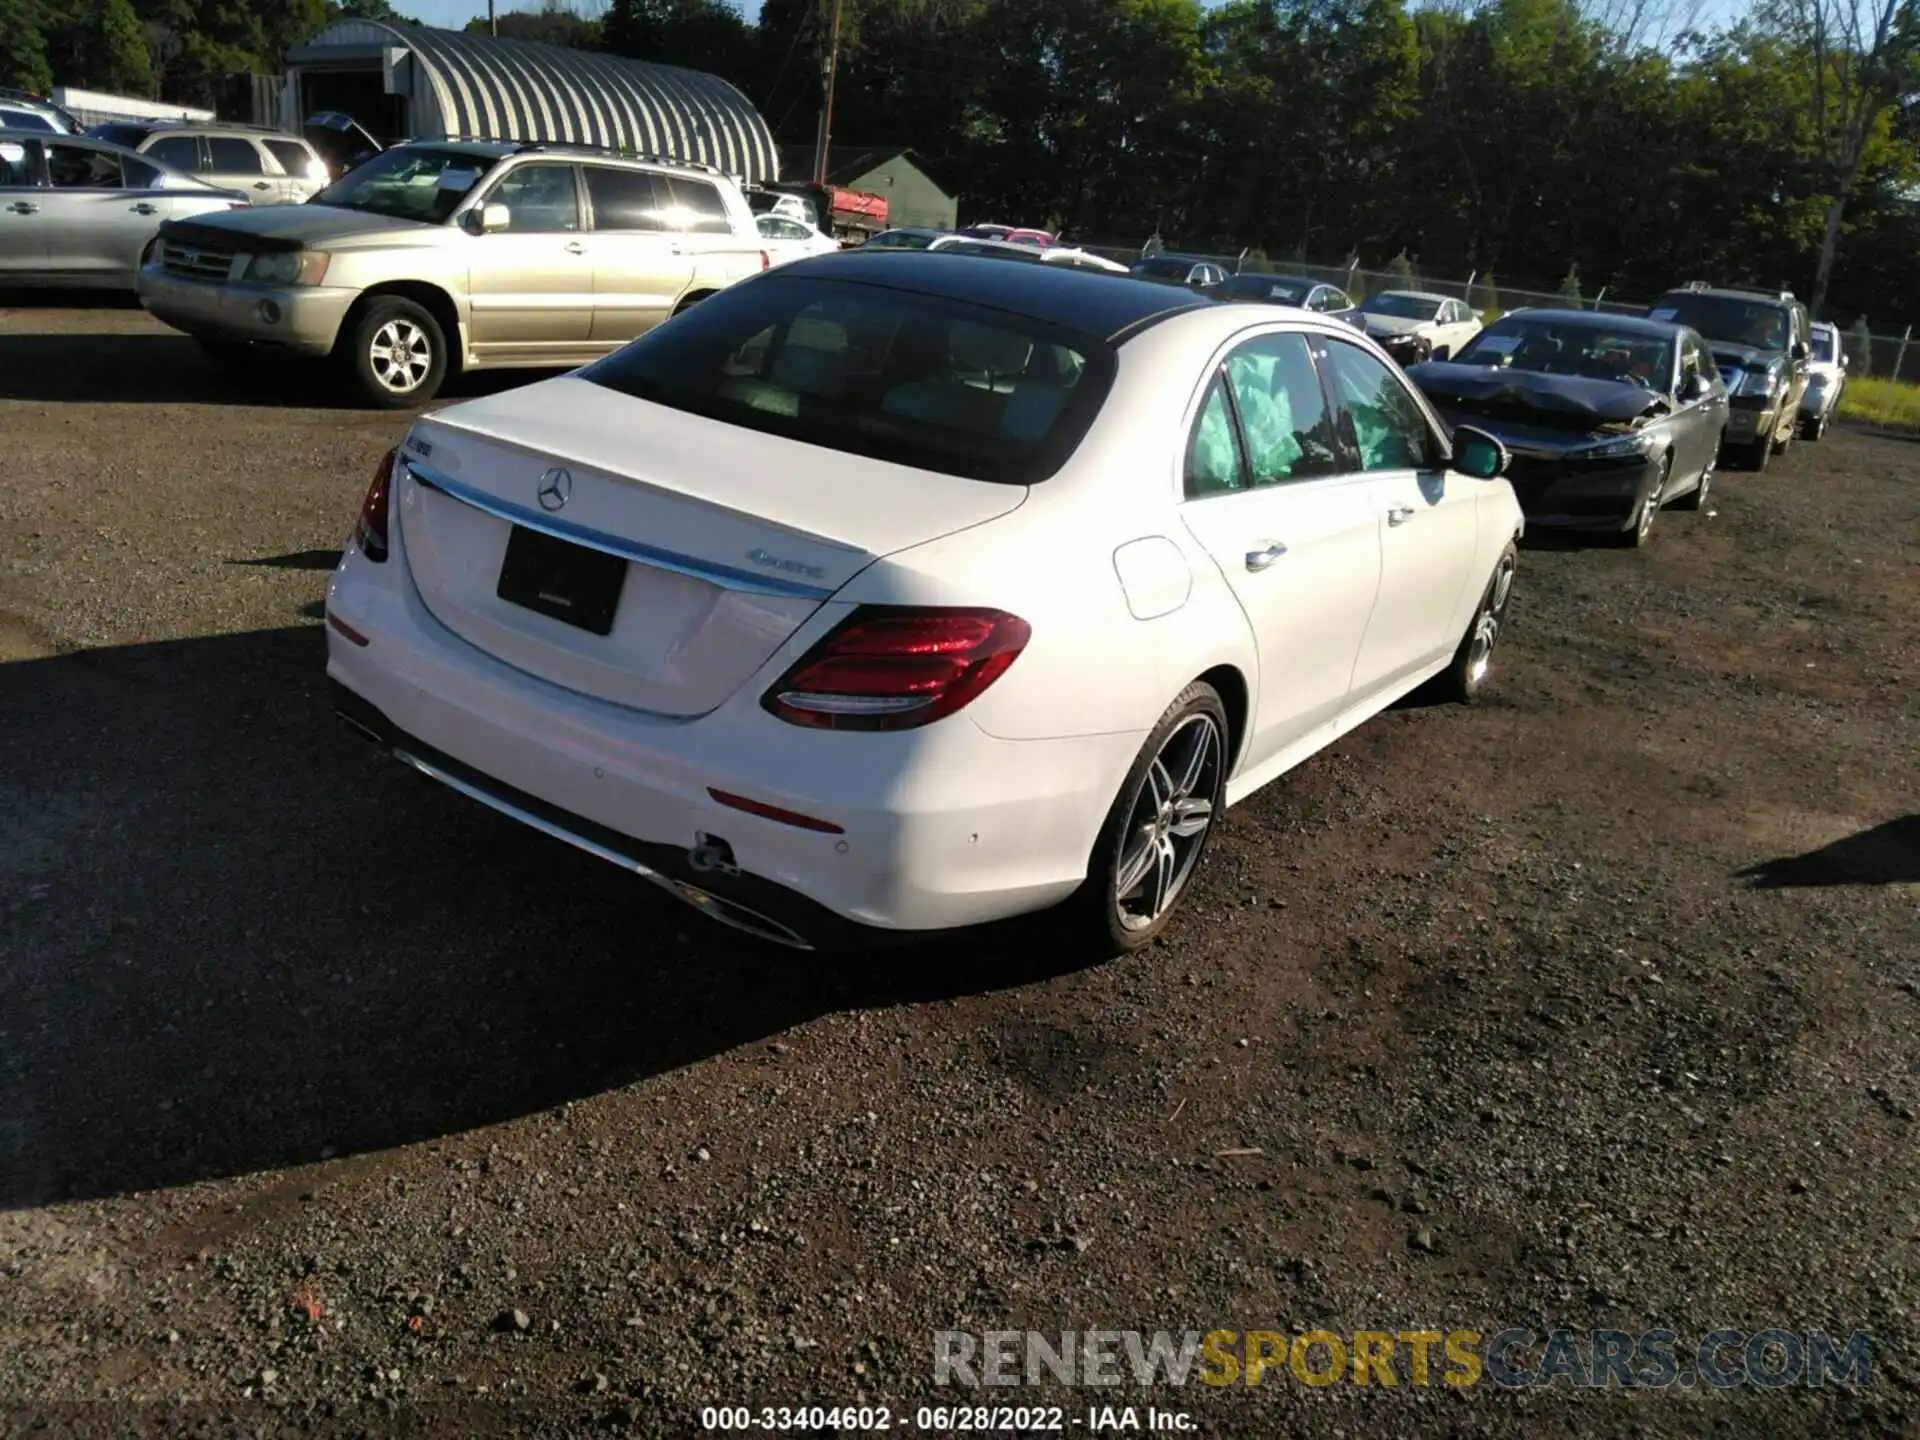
1263 287
914 379
1164 269
1401 306
1826 346
1755 324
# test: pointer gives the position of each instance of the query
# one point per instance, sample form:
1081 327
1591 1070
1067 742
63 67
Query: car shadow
295 560
1887 854
236 937
105 368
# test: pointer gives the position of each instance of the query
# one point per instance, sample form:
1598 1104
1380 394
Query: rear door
236 162
303 173
95 225
640 269
1426 516
531 285
1297 540
1698 423
23 241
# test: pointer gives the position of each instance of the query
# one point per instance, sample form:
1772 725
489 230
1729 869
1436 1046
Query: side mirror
1800 351
1845 360
1698 387
486 220
1478 454
1480 315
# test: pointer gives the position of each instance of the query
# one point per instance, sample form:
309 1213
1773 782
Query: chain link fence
1884 357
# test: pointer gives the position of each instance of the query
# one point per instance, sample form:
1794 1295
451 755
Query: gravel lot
1593 1006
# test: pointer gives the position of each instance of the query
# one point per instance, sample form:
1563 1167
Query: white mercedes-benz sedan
889 592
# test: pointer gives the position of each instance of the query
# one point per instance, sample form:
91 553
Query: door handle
1261 559
262 185
143 208
574 247
24 207
1399 514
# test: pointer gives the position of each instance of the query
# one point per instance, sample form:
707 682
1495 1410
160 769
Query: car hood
301 227
1392 324
1558 401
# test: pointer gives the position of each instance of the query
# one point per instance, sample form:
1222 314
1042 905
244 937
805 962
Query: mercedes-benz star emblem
556 488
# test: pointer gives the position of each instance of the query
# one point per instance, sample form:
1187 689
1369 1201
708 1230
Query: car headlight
1640 443
288 267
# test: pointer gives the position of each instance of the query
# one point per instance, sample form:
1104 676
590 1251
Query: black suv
1760 342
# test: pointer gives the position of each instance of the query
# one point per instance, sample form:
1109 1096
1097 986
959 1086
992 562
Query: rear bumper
306 319
937 828
1602 498
1746 426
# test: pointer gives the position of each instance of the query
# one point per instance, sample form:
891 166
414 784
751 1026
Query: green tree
1570 286
1400 268
1859 348
23 47
100 44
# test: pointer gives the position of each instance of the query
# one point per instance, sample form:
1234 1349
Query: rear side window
694 206
230 155
292 155
182 152
13 164
623 199
27 120
1283 414
920 381
140 175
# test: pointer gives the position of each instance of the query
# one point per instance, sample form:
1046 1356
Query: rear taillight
893 668
766 261
370 533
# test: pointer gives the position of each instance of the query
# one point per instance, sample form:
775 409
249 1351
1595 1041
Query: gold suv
441 255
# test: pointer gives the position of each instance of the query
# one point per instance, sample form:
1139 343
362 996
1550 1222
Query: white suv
266 165
438 255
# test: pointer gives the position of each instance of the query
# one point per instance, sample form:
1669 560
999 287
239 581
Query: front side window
140 175
230 155
623 199
539 197
914 379
27 120
182 152
72 167
1384 423
1283 413
411 182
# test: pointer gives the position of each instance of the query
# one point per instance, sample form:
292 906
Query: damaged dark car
1608 418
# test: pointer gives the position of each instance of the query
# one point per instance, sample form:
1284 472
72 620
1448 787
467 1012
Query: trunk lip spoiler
726 576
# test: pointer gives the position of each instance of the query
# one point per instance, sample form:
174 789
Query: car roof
1092 302
1264 277
1596 320
1176 255
1752 297
1419 295
1826 325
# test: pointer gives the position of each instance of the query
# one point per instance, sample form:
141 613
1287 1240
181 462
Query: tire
393 353
1159 827
1814 430
1648 510
1439 354
1756 455
1463 680
1783 439
688 302
1696 498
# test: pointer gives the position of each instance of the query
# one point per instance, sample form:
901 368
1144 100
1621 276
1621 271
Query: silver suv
437 255
268 166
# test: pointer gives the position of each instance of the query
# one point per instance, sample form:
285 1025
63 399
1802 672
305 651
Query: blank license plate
567 581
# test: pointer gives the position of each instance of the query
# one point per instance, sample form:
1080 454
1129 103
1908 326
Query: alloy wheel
1486 627
401 356
1167 827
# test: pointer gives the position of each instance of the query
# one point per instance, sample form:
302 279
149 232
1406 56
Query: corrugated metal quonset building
414 82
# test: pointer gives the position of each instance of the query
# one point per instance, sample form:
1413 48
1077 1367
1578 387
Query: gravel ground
329 1100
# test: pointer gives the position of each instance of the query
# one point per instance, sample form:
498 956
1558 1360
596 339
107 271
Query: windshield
1165 269
1755 324
1592 352
1826 346
1401 307
1264 287
410 183
901 240
913 379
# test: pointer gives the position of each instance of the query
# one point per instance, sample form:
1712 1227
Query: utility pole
493 20
829 72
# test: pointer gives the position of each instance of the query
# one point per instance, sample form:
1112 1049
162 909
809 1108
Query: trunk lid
732 538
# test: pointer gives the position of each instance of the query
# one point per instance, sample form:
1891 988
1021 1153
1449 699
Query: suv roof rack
1782 294
177 122
585 147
